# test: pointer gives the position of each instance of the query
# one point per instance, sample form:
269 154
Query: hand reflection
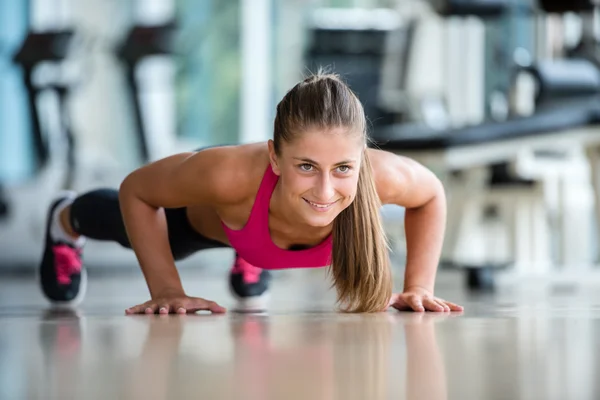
326 356
151 375
425 372
339 357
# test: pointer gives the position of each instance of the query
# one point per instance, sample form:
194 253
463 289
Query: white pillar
255 121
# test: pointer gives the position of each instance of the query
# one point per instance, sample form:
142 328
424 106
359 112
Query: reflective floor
522 343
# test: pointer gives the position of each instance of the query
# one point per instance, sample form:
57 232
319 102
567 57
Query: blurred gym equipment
3 204
463 8
353 42
497 172
140 43
42 56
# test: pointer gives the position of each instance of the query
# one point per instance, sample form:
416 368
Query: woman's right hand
175 304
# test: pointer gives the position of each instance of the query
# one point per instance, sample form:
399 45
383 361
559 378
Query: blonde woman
308 198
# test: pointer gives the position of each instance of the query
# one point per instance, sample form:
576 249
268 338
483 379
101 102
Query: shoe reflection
60 336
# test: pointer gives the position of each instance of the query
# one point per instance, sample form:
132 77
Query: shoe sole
254 304
77 300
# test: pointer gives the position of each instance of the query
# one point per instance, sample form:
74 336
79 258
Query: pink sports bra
253 242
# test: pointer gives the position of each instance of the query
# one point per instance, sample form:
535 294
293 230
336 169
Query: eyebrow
308 160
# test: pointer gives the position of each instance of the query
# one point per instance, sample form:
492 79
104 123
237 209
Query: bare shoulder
233 172
216 176
401 180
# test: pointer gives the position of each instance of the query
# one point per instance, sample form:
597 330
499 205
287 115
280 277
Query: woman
308 198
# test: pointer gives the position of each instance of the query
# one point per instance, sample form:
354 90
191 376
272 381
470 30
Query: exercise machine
42 56
140 43
497 172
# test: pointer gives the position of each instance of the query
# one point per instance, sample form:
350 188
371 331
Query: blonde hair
360 266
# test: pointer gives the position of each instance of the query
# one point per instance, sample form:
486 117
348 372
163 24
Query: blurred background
499 98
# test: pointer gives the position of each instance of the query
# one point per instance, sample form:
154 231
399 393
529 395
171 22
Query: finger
132 310
178 308
215 308
400 303
454 307
432 305
442 303
394 299
150 308
201 304
139 309
198 304
416 303
164 309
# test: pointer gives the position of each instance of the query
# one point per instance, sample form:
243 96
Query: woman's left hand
418 299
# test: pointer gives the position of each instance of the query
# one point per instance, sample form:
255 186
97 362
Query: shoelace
67 261
250 273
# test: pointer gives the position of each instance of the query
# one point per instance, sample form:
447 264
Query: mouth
321 207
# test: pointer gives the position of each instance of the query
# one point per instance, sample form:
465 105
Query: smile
318 206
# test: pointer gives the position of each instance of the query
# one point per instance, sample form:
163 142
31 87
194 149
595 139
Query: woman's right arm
176 181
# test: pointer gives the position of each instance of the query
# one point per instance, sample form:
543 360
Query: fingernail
162 309
181 310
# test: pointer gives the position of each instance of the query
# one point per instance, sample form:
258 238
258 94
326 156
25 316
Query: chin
320 221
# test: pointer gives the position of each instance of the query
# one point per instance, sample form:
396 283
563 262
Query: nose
324 190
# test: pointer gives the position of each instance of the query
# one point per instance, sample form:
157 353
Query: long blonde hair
360 266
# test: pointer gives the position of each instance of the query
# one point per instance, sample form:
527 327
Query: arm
175 181
406 183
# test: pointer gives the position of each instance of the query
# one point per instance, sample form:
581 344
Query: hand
175 304
418 299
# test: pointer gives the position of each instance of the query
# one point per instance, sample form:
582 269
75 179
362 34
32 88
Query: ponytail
360 266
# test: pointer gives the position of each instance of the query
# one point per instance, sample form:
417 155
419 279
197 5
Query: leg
96 215
62 278
71 220
82 217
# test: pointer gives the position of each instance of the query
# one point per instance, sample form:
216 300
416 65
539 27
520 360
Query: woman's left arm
406 183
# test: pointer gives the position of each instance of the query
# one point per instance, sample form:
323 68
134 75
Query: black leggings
97 215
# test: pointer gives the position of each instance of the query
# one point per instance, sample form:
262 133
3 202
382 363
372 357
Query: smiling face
318 173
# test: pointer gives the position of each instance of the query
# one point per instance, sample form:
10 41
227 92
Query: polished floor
530 342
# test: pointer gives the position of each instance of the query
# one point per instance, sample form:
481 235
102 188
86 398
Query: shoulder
401 180
216 177
234 172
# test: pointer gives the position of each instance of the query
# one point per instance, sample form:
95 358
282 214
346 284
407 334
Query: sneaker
62 276
249 285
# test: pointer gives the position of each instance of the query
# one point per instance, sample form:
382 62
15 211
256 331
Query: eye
306 167
344 169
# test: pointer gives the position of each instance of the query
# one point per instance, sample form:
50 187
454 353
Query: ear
273 158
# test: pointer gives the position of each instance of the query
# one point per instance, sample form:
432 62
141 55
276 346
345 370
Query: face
319 173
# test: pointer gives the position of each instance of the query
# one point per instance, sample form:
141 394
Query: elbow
440 191
127 189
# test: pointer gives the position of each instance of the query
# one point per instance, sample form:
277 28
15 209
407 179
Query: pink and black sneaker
62 276
249 285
